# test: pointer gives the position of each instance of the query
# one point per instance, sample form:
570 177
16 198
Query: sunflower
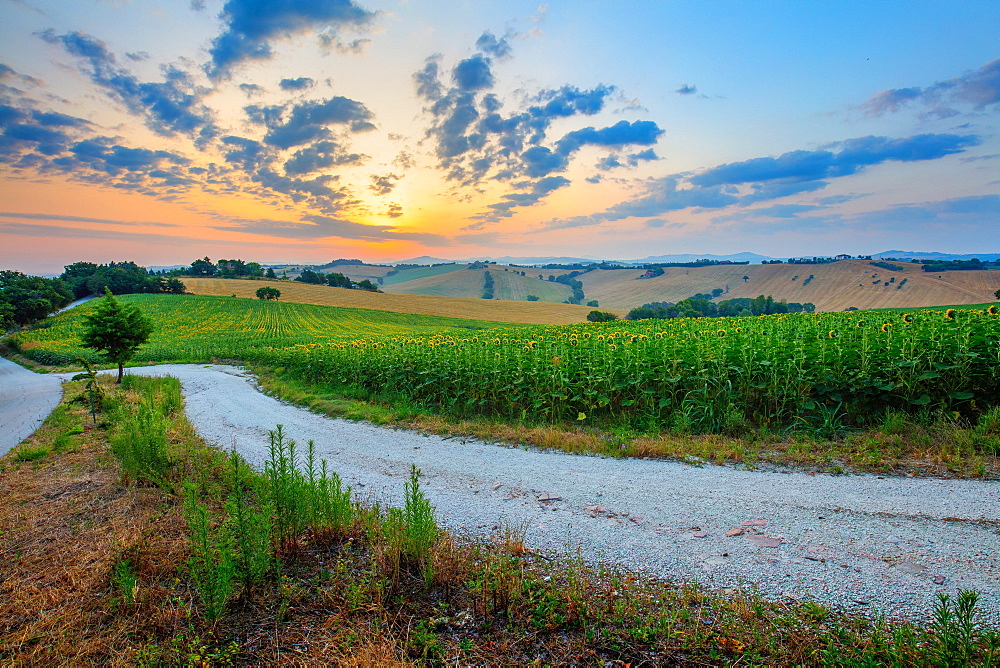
721 332
907 317
885 327
950 314
992 310
832 334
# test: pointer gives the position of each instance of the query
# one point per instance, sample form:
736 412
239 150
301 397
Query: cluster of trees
336 280
570 280
702 308
487 285
226 269
268 293
888 266
25 299
975 264
122 278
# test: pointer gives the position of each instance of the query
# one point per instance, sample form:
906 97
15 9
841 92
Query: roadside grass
934 445
198 566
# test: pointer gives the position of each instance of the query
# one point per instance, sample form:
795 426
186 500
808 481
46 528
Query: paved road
26 399
858 542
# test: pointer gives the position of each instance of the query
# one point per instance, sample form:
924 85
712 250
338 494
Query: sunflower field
823 371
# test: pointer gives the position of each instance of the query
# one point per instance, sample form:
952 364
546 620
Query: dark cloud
473 73
854 156
294 125
383 184
171 107
301 83
252 25
490 45
687 90
250 90
979 89
765 179
622 133
321 155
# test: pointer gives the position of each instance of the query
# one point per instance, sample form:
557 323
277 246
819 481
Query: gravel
864 543
26 399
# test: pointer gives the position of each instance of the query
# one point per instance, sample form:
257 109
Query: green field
421 272
192 328
819 372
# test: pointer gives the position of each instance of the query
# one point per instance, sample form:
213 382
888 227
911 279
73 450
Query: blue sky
312 129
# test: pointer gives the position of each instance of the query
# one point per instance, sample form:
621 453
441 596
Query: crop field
538 313
819 372
194 328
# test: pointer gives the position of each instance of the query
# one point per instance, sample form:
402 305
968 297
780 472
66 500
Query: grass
900 444
99 570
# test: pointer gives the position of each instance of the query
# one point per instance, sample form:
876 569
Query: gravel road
26 399
855 542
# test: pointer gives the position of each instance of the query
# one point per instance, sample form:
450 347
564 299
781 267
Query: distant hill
914 255
687 257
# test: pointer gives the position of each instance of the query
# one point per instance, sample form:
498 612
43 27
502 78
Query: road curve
26 399
861 542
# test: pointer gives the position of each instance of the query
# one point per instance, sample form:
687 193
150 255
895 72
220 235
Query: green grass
421 272
193 328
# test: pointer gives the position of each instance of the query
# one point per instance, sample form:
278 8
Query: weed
211 562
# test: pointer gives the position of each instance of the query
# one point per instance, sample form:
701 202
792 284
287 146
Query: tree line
25 299
699 307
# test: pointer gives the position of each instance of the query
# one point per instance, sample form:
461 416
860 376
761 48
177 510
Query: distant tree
311 277
593 302
532 298
25 299
202 267
746 278
270 273
367 286
601 316
338 280
76 275
268 293
997 294
116 330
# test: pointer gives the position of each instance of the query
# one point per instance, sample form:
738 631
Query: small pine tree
116 330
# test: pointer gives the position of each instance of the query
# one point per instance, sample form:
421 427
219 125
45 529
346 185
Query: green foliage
487 285
116 330
823 372
210 565
532 298
138 436
268 293
25 299
126 581
249 526
601 316
420 532
955 630
195 328
122 278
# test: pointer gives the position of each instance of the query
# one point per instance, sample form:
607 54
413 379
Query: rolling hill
542 313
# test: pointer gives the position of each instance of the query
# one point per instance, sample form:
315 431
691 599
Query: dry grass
539 313
835 286
67 519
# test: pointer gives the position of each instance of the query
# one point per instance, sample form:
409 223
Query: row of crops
192 328
709 375
822 370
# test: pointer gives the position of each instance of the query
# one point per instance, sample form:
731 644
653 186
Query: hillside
459 281
834 287
541 313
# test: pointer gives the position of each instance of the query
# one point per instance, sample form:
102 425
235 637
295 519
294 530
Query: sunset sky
161 131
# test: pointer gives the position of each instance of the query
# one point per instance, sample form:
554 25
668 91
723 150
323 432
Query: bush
601 316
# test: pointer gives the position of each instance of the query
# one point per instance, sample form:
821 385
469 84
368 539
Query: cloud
321 227
978 89
170 107
490 45
622 133
687 90
251 90
764 179
473 74
383 184
301 83
294 125
80 219
321 155
854 156
250 27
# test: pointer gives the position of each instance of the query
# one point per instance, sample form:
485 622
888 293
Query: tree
601 316
268 293
116 330
532 298
270 273
24 299
997 294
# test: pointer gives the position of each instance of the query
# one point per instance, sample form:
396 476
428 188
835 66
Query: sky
162 131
